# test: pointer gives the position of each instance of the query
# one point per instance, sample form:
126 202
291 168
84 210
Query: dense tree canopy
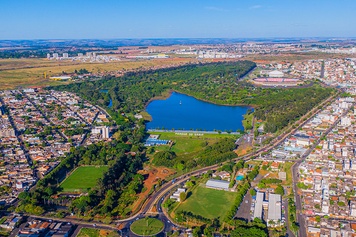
215 82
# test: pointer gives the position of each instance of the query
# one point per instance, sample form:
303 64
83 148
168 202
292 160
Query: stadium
272 81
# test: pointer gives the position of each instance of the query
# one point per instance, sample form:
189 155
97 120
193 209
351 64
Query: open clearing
147 226
83 178
30 72
208 202
188 143
153 174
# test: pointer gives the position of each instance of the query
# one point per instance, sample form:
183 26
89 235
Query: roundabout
147 226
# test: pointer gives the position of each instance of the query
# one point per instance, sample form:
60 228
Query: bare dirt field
153 175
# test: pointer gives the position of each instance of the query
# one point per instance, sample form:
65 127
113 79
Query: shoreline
208 101
160 97
193 131
169 93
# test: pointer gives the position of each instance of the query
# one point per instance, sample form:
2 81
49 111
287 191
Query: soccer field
83 178
207 202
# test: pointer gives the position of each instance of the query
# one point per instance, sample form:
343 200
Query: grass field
83 178
209 203
187 144
88 232
30 72
287 168
147 226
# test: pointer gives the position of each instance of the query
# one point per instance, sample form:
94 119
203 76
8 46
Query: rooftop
274 207
220 184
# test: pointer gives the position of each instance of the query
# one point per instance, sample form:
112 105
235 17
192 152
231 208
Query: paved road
156 198
285 204
168 187
295 174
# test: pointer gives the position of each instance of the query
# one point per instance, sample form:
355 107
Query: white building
346 164
258 205
176 194
345 121
65 55
276 73
103 130
274 209
29 90
353 208
217 184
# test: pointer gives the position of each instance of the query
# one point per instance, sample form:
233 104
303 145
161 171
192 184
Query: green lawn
89 232
147 226
188 143
287 168
207 202
83 178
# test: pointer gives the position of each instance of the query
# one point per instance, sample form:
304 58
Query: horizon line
187 38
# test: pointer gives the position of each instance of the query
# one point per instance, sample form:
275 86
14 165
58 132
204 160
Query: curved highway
156 199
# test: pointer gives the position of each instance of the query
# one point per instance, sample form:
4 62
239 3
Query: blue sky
105 19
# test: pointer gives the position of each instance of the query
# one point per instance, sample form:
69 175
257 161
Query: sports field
188 143
83 178
147 226
207 202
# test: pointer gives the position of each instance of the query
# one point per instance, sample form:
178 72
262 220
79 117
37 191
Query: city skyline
183 19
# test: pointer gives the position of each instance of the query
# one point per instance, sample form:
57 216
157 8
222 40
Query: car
246 201
168 221
137 218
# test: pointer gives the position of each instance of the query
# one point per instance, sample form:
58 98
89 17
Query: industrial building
103 130
259 205
218 184
274 214
273 207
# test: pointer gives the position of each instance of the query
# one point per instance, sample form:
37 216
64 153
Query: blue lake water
106 91
180 111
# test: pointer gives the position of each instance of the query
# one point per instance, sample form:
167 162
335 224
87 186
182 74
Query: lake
107 91
184 112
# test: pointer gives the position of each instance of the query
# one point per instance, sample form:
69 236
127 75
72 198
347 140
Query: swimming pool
239 177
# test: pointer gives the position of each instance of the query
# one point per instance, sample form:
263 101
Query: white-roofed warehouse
274 208
218 184
259 206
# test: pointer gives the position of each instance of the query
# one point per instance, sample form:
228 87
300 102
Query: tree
253 192
279 190
189 184
182 196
